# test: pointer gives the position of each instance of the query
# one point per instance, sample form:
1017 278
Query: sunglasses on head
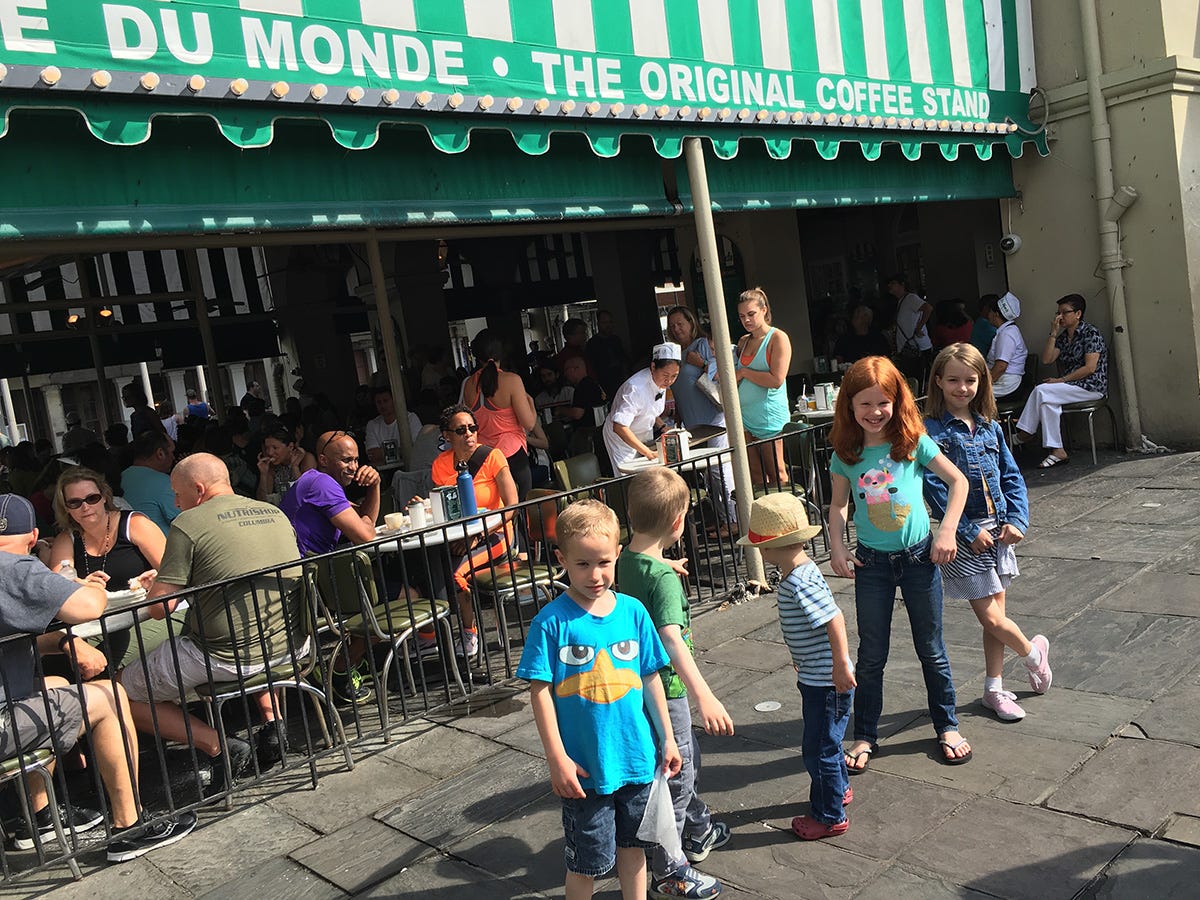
465 429
76 502
333 437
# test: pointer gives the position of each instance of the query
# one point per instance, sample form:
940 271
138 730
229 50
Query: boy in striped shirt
815 633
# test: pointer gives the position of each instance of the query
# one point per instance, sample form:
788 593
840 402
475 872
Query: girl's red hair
903 430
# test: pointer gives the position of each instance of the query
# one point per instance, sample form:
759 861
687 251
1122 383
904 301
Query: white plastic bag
658 824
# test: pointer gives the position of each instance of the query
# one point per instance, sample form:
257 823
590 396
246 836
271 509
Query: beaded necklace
108 533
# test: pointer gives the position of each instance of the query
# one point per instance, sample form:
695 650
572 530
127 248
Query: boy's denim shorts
600 823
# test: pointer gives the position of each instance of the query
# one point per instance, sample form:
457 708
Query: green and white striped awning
914 72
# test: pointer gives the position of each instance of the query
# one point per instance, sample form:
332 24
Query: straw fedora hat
777 520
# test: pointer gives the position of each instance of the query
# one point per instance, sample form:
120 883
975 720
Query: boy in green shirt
658 504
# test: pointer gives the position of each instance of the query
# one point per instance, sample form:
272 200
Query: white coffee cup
416 514
394 521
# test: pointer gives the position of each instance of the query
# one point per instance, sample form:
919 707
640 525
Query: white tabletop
118 616
694 461
815 415
435 535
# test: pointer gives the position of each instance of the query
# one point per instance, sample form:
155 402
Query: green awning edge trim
122 122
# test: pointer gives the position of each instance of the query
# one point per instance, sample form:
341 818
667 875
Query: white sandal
1051 461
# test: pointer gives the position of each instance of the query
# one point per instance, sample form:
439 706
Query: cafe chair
577 472
346 587
1008 409
522 580
37 762
1089 408
292 675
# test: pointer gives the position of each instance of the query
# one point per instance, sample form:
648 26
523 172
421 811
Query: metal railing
390 609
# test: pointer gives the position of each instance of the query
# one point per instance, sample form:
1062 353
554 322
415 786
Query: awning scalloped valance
130 122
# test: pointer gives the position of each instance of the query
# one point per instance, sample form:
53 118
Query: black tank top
123 561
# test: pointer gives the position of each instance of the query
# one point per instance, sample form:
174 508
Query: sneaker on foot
81 819
1040 677
130 843
470 643
239 753
685 882
809 829
270 744
351 687
697 848
426 644
1004 705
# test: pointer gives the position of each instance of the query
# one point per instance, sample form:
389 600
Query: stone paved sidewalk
1095 794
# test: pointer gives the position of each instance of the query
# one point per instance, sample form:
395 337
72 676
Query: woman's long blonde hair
73 476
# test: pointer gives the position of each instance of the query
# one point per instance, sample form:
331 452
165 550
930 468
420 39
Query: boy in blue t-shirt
815 633
593 657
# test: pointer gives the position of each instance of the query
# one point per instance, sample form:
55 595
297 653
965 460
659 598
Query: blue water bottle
466 492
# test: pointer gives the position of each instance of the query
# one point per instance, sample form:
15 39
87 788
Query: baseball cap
72 418
16 515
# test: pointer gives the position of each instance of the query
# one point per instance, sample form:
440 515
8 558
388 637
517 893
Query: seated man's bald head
199 477
203 468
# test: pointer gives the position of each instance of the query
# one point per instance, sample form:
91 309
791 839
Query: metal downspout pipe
1110 208
710 261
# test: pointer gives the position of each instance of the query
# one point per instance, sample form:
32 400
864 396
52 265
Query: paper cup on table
394 521
416 514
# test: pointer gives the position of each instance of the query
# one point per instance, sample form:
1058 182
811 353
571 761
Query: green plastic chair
522 580
37 762
290 676
346 589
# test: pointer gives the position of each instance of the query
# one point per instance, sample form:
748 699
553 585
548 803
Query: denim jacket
981 456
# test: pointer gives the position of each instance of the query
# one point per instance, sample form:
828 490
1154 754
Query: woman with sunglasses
108 546
494 489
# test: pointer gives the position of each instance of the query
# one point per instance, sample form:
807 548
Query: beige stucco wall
1155 133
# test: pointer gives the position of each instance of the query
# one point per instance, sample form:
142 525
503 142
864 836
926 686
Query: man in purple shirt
321 514
317 504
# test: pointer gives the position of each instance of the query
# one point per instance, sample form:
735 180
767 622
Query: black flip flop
954 760
868 752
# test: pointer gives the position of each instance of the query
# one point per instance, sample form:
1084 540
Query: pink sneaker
1040 677
1004 705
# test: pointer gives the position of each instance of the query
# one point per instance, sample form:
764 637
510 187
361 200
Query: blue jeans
826 713
920 584
692 817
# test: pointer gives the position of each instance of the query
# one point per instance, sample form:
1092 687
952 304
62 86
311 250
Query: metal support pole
144 371
84 271
10 412
388 336
710 260
217 398
1112 261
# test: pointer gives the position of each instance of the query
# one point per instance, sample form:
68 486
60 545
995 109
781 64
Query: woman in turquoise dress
763 357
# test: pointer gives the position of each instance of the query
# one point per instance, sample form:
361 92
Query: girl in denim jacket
962 420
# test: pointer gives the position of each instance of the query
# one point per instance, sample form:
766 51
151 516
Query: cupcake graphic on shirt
876 488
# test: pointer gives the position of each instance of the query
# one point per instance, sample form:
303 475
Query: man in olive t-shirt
219 535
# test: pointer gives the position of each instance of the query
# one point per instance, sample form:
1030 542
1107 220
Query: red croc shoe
809 829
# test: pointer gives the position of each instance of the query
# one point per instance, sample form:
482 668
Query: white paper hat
1009 307
667 351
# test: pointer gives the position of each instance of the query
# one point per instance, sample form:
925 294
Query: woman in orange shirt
494 489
